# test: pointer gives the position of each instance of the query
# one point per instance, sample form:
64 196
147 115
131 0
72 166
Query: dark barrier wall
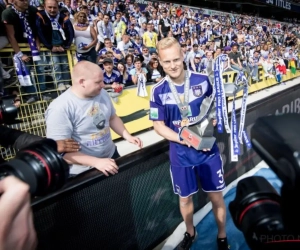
287 101
135 209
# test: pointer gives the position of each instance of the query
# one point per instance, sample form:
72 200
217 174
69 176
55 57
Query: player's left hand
135 140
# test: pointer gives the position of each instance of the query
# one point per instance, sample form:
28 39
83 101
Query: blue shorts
210 173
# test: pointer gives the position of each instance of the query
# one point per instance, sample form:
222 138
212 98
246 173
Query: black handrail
91 176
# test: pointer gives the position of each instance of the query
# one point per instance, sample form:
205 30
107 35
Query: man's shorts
210 173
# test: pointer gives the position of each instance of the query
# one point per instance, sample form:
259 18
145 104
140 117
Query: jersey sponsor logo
191 120
197 90
154 113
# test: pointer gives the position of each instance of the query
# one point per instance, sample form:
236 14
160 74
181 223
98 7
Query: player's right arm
164 131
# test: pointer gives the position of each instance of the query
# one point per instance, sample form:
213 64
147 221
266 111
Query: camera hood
276 140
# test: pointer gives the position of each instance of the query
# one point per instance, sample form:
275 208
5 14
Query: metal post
227 101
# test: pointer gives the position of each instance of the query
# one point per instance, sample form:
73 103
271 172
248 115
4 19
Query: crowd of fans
121 38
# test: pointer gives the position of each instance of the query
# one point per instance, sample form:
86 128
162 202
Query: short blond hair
166 43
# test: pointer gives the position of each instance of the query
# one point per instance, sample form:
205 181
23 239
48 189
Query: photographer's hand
67 146
16 225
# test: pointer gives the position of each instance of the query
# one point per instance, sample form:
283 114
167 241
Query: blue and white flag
22 72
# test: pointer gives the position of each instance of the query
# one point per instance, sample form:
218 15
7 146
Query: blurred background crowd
121 37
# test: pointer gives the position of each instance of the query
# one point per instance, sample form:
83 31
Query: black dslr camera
268 220
40 166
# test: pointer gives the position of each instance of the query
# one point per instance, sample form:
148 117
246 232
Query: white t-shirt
124 46
84 120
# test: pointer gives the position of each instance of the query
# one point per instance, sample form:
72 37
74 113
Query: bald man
85 113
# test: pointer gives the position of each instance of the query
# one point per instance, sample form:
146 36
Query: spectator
56 32
124 45
196 64
12 17
131 31
204 61
111 77
268 66
129 63
254 62
105 30
67 5
138 70
125 77
155 71
108 47
191 55
119 27
95 10
91 127
85 38
146 55
164 25
235 58
90 17
150 39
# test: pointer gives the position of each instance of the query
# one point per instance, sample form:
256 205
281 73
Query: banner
262 83
284 4
133 110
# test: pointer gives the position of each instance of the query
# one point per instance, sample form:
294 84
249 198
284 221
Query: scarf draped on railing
21 70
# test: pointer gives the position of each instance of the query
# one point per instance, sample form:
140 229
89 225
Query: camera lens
40 166
256 210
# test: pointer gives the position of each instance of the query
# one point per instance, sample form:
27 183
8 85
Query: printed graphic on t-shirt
99 121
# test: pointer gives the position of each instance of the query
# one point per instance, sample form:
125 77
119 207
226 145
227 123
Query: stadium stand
114 35
40 45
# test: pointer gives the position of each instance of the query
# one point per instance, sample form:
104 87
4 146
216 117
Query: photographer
19 139
16 226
